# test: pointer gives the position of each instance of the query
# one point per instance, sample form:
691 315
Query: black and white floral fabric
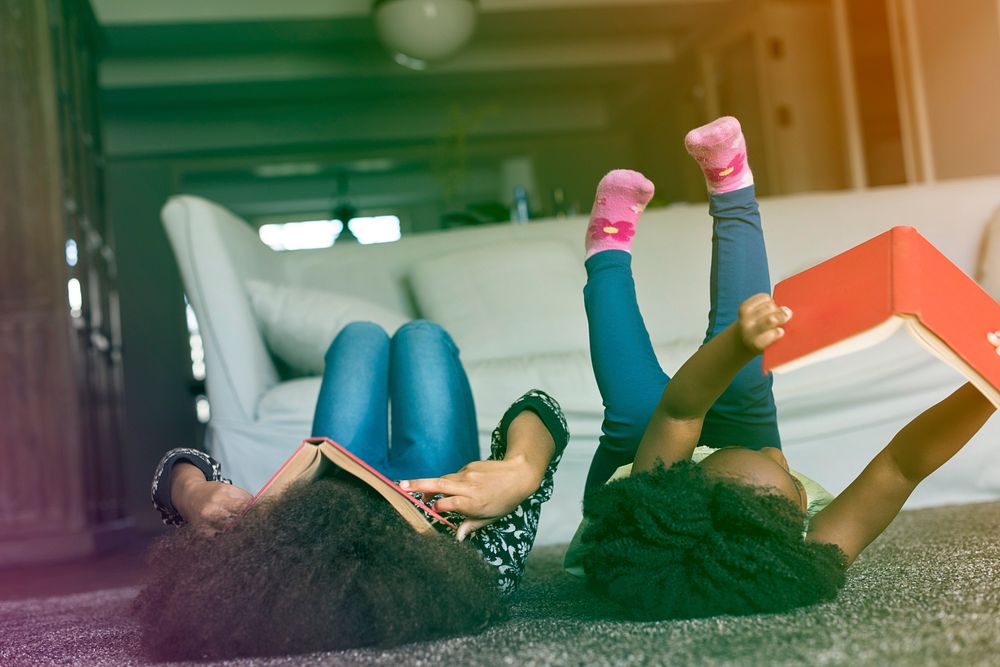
504 544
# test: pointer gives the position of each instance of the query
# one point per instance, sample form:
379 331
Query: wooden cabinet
775 67
61 483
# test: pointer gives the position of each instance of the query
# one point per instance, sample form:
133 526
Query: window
201 407
324 233
376 229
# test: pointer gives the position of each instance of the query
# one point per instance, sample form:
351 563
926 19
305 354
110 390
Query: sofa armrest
216 252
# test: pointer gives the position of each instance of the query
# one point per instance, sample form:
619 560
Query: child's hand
760 322
483 491
209 507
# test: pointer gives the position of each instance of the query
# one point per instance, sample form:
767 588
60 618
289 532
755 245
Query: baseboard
41 549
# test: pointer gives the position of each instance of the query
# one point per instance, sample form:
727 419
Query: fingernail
781 332
788 311
405 483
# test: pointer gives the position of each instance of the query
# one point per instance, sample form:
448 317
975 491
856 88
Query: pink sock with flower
721 152
621 198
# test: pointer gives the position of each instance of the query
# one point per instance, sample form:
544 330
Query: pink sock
621 198
721 152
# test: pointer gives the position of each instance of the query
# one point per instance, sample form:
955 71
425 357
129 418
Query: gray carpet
926 593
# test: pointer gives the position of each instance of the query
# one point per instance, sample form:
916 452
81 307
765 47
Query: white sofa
834 416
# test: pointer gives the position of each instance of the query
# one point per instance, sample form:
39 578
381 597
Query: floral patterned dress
504 544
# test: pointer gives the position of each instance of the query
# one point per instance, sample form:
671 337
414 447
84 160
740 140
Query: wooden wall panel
40 482
60 372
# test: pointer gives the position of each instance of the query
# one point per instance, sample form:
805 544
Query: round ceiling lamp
422 31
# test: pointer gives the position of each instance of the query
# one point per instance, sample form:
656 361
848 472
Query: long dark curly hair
674 543
328 565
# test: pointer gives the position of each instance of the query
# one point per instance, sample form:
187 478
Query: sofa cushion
299 324
290 402
506 300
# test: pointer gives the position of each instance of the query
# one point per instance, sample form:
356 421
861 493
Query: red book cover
851 301
315 456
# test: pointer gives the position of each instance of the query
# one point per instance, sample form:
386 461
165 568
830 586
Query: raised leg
433 415
745 413
628 374
352 408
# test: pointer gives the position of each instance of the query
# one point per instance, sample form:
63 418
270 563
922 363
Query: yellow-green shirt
816 495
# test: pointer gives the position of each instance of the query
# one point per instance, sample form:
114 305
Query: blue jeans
629 376
418 374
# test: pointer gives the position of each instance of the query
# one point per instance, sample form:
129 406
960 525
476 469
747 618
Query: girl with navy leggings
691 508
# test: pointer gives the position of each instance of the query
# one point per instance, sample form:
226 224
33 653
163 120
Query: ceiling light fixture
417 32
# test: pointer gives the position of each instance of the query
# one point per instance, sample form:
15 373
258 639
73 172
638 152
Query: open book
897 279
320 457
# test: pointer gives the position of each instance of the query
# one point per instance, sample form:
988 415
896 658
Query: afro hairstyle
674 543
327 565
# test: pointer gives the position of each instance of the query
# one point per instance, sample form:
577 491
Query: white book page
939 348
873 336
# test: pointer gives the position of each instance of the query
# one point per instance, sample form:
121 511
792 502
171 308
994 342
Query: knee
358 333
423 332
623 429
622 440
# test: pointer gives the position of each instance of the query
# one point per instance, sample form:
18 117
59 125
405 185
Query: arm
675 426
484 491
209 506
866 507
526 448
188 487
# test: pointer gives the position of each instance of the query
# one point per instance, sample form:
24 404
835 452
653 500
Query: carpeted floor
926 593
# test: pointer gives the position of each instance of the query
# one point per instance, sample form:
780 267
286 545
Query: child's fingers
470 526
768 315
750 305
762 341
433 485
753 302
459 504
762 306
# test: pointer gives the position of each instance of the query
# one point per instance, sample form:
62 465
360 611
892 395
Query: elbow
906 469
675 408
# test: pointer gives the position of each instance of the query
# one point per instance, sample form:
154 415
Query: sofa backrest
217 252
672 250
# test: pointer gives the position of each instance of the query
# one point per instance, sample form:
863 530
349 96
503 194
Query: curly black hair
328 565
675 543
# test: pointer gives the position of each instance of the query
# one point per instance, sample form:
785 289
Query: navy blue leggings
629 376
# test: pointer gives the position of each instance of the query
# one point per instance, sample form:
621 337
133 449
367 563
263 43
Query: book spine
284 465
906 281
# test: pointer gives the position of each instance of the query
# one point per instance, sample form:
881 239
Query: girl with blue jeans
690 506
433 417
432 445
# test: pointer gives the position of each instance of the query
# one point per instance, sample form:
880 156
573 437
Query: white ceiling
202 76
144 12
190 43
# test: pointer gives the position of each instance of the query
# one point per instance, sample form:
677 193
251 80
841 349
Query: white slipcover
833 416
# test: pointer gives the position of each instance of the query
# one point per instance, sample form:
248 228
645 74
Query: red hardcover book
897 279
321 457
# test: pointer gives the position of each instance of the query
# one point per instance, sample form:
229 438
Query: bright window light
195 343
202 409
301 235
75 294
324 233
376 229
